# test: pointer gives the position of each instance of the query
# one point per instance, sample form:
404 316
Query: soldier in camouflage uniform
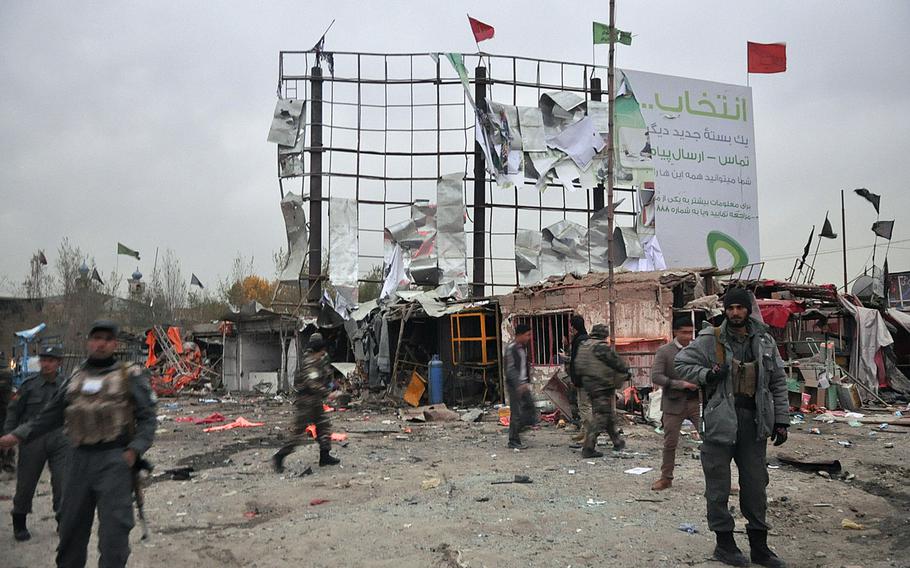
601 370
311 384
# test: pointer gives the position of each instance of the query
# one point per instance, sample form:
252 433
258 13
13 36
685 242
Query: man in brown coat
680 398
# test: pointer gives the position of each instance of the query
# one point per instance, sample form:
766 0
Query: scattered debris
472 415
516 479
851 525
687 528
831 466
431 483
639 470
241 422
315 502
179 473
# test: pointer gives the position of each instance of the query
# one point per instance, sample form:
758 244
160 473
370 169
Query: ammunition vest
593 370
99 407
744 378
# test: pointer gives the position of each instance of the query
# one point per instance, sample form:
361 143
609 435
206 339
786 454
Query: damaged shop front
645 304
400 345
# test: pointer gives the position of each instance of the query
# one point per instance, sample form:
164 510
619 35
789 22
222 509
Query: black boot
591 453
726 550
326 459
20 531
278 460
759 551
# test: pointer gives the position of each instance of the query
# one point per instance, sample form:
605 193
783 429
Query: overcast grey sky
145 123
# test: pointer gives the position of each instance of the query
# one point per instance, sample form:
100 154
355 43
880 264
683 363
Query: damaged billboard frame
390 133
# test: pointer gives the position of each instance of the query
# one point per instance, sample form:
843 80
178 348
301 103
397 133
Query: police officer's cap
51 351
600 331
316 342
105 325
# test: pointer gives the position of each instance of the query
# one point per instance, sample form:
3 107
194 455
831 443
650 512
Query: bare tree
230 289
40 281
168 288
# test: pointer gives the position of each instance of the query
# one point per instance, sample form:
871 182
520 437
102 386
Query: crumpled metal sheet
625 239
298 239
286 122
343 243
527 256
451 248
564 249
401 232
599 242
290 158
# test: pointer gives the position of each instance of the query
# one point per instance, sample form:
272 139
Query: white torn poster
343 243
580 141
450 241
565 173
395 275
286 122
598 112
533 138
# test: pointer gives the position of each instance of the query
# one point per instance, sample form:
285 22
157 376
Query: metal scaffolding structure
382 128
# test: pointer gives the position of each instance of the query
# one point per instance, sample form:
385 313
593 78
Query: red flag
767 57
481 30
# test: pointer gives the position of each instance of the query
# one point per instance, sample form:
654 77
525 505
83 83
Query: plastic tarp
29 334
776 313
870 334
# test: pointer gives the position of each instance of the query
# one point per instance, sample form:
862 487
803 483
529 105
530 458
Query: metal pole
843 232
611 292
314 289
480 181
597 95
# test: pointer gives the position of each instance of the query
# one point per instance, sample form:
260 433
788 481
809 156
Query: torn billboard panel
450 242
286 122
298 241
343 245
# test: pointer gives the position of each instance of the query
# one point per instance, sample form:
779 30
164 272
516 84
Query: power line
799 254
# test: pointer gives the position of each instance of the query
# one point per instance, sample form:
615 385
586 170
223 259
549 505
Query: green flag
127 251
602 34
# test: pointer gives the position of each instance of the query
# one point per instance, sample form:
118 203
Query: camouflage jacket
314 376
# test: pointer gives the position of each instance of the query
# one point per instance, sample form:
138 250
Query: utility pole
611 292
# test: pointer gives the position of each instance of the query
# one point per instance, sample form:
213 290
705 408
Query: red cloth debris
335 436
776 313
504 420
212 418
315 502
241 422
327 408
551 417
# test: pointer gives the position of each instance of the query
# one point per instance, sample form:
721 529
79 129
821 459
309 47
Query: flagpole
611 292
843 232
477 43
878 216
747 63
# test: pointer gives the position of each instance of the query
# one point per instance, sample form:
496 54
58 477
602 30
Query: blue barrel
435 380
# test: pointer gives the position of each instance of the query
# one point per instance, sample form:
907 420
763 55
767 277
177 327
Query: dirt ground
420 494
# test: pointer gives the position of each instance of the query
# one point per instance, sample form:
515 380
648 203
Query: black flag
802 261
196 282
883 229
827 231
41 258
97 277
872 198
